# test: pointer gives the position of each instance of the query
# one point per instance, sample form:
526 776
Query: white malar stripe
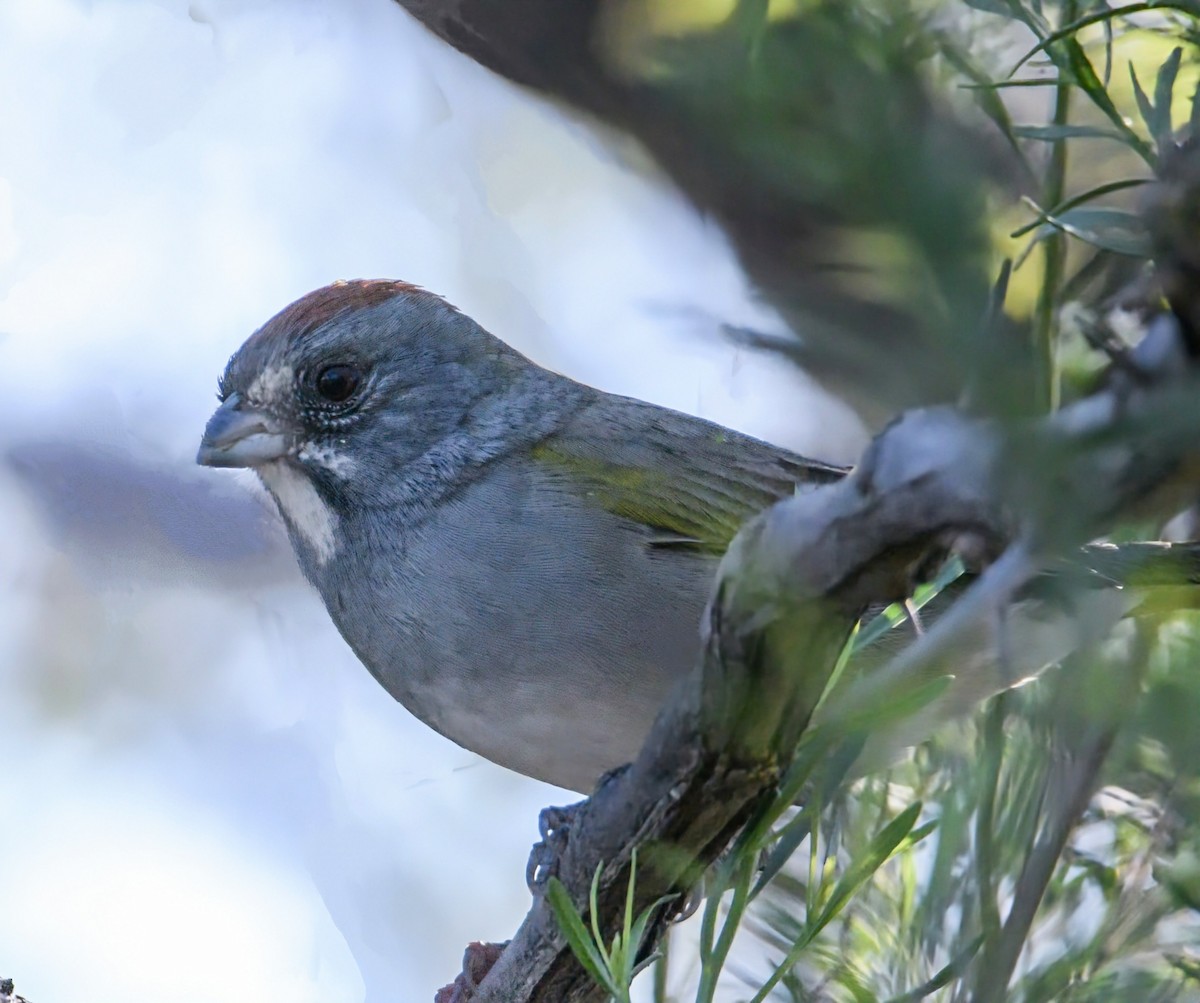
302 506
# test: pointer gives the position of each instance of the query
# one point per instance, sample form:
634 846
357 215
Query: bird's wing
691 482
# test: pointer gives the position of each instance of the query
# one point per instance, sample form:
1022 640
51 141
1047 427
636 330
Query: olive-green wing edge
691 482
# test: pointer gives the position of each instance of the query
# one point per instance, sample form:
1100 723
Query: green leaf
989 100
1031 16
1056 133
1084 76
885 843
892 707
1164 93
638 931
740 872
940 980
577 935
1106 14
1002 7
627 926
789 839
995 85
1145 107
1114 230
1080 199
597 936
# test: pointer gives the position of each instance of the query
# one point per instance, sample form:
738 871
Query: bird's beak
241 436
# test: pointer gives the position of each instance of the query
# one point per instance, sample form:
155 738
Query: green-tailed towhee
519 559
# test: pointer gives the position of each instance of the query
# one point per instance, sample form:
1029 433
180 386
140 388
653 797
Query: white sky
206 798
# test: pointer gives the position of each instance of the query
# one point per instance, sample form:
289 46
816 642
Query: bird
519 559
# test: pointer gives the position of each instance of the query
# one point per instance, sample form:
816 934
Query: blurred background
205 796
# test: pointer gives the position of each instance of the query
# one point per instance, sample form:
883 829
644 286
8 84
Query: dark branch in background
542 44
817 147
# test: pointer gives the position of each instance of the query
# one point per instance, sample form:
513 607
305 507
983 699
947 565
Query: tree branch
789 591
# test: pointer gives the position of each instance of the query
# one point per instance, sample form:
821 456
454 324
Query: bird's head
344 387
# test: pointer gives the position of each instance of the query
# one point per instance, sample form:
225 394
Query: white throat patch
302 506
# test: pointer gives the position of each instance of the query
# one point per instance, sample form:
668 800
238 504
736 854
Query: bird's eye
336 383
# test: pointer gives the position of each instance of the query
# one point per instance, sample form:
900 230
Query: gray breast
524 623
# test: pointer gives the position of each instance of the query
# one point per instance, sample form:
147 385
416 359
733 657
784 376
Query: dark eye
336 383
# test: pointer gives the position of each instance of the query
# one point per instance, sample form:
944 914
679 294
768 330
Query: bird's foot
554 826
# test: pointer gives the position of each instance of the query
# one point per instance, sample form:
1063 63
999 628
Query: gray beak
241 436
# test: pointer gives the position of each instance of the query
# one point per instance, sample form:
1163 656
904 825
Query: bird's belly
546 646
557 688
553 738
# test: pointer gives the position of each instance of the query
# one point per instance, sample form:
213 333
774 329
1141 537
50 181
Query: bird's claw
554 826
